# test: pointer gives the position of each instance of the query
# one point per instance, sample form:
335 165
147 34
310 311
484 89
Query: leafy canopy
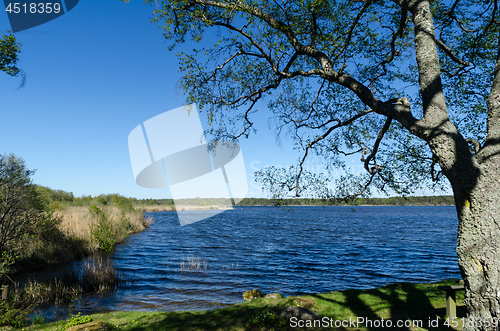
9 49
339 78
21 205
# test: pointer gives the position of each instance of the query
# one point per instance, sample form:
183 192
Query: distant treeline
443 200
59 197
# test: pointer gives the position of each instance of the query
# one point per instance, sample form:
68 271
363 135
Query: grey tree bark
475 179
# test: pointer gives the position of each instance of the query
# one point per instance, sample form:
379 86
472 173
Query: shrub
13 314
102 230
55 205
124 204
6 260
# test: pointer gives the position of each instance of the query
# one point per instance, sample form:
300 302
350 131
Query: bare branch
323 136
435 177
375 169
450 53
351 29
398 33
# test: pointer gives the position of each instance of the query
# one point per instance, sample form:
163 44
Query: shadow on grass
413 306
249 318
402 306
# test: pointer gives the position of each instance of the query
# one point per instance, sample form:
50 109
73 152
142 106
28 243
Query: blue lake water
293 250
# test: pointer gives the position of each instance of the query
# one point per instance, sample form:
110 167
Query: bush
102 230
12 314
6 260
124 204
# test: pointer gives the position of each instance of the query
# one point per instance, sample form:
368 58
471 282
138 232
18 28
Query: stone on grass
253 294
300 313
92 326
274 296
304 302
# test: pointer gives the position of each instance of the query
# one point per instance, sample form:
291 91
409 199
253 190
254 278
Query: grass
78 223
403 301
75 232
95 276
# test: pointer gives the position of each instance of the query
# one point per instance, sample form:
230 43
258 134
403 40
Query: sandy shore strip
150 209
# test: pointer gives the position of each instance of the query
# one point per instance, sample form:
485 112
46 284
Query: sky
92 76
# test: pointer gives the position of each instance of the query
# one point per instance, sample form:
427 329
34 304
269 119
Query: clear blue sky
93 75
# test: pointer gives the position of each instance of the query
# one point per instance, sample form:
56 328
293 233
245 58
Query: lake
292 251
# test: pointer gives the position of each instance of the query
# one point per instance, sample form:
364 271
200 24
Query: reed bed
200 265
77 220
193 264
232 267
95 276
100 276
158 208
78 223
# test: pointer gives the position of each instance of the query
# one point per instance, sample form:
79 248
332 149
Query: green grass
401 301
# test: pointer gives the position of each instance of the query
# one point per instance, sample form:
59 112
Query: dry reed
193 264
78 222
96 275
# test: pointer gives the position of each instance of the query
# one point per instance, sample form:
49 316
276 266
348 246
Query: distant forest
443 200
60 198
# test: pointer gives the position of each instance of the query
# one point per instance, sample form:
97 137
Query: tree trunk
478 246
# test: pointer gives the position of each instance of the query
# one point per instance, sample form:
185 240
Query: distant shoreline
154 209
205 204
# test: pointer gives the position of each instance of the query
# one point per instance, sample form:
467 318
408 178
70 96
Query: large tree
413 86
21 205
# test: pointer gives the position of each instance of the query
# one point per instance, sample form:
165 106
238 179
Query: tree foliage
21 206
338 76
9 49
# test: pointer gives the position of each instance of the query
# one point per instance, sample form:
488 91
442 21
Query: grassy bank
405 302
74 232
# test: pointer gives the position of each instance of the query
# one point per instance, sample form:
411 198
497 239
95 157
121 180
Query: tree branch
375 169
492 143
323 136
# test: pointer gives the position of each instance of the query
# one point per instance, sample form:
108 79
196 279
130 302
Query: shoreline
155 209
400 301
